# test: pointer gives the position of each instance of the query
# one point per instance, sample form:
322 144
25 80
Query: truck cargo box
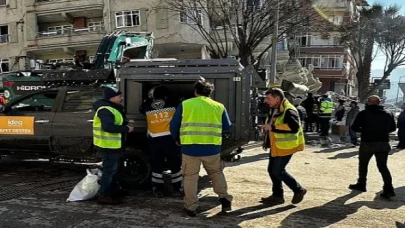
232 88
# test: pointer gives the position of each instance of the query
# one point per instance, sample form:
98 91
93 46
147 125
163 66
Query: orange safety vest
158 121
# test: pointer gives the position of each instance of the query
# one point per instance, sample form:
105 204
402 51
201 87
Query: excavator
114 50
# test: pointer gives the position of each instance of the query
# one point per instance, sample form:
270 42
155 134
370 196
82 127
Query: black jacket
375 124
107 120
291 118
309 105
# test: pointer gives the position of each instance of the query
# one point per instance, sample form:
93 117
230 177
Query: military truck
61 130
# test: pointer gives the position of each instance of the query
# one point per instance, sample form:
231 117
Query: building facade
58 30
332 61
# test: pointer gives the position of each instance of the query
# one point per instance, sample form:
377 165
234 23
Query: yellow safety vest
105 139
327 107
201 121
287 141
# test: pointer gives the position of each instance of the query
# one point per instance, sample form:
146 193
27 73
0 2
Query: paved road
33 195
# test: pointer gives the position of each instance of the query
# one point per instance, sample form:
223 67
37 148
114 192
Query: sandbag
87 188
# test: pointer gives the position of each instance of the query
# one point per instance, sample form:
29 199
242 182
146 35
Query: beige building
58 30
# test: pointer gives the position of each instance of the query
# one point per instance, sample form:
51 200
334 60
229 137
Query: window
4 66
316 61
76 101
3 34
3 2
191 17
39 102
61 61
127 18
332 62
304 40
303 61
96 26
59 30
336 19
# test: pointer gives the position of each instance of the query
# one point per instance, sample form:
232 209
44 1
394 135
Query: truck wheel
134 169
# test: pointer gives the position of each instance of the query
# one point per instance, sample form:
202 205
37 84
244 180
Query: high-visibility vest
201 121
158 121
287 141
327 107
105 139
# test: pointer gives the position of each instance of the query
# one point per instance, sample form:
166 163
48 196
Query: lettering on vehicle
16 125
29 88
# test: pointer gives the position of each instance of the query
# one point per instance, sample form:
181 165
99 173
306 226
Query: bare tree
243 23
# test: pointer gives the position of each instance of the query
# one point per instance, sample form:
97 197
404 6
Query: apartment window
191 17
304 40
3 34
332 62
3 2
303 61
337 19
96 26
4 65
127 18
316 61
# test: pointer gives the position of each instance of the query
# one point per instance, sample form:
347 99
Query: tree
361 37
243 23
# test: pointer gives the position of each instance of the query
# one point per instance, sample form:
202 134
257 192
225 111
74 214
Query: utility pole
273 71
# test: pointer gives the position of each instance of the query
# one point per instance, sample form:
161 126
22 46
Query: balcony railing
44 0
324 45
4 38
72 31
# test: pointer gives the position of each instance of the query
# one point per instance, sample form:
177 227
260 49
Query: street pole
273 71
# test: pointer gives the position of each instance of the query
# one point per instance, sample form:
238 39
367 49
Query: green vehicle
114 49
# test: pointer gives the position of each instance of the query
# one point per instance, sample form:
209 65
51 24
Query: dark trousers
164 152
380 150
109 177
353 136
278 174
325 125
309 124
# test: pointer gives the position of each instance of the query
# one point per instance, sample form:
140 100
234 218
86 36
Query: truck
114 49
60 129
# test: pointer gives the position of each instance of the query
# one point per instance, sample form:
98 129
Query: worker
109 128
197 126
375 125
159 112
284 137
325 114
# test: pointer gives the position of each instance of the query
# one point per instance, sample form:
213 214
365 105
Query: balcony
3 39
42 7
322 49
70 38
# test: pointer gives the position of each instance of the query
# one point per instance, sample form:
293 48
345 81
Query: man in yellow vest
284 137
325 114
159 111
109 128
197 126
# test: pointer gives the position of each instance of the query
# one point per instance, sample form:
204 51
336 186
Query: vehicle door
25 123
73 122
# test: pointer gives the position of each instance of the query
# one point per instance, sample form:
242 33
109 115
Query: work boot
273 200
191 213
388 192
298 196
226 205
358 187
101 199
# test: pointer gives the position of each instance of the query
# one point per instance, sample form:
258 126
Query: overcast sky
379 61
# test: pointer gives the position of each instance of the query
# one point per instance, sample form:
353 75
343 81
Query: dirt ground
325 173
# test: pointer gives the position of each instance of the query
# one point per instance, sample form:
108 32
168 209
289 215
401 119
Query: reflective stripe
157 180
201 125
292 138
176 174
97 129
201 133
157 175
111 138
158 134
180 178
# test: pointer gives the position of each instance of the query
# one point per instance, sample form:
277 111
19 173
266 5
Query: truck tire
134 169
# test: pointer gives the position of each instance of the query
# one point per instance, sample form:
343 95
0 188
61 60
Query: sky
379 61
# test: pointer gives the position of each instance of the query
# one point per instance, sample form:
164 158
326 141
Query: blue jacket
196 150
107 121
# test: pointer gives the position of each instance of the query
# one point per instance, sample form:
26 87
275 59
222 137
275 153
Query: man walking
351 116
284 137
197 126
375 124
325 114
109 128
159 111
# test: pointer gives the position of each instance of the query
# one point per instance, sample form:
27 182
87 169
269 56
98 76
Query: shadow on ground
249 159
337 210
345 155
